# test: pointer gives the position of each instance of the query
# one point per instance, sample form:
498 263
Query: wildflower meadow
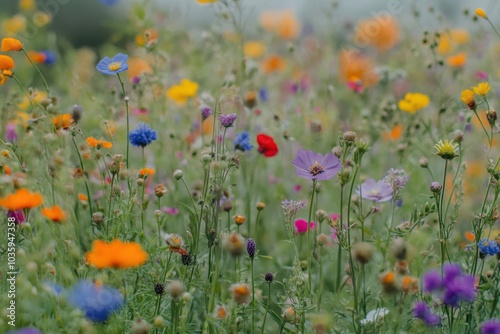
253 170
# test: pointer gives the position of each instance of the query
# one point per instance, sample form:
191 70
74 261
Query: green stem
83 171
253 296
38 70
128 120
267 309
308 236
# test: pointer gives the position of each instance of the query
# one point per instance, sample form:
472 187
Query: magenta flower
315 166
380 191
301 226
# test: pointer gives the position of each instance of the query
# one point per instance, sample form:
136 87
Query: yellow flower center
316 168
115 66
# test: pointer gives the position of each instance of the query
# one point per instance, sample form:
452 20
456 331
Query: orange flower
272 64
352 64
7 170
83 198
21 199
98 143
147 38
137 66
378 32
470 236
282 23
63 121
37 57
395 133
145 172
54 213
6 66
116 254
457 60
11 44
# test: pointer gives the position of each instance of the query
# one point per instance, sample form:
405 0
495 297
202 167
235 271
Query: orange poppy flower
395 133
116 254
6 66
457 60
272 64
11 44
21 199
63 121
98 143
352 64
379 32
145 172
54 213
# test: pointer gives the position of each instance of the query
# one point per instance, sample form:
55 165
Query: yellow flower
467 97
27 5
413 102
482 88
14 25
253 49
205 1
481 13
446 149
181 92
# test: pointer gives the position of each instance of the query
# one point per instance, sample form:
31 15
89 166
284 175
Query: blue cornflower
263 94
488 247
95 300
114 65
242 142
143 135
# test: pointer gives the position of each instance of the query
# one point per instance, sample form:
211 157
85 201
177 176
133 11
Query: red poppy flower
267 146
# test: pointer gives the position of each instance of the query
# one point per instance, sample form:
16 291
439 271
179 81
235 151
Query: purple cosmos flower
113 65
313 166
423 312
227 120
380 191
96 301
432 281
491 326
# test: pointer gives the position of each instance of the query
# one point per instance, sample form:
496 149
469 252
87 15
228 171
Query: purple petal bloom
17 215
97 302
227 120
11 133
28 330
313 166
451 272
432 281
423 312
251 248
380 191
460 289
205 112
491 326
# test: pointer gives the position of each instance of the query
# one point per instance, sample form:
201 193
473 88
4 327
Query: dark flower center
316 168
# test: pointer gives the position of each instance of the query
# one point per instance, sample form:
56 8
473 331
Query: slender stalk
308 236
338 230
267 309
83 170
128 120
38 70
253 296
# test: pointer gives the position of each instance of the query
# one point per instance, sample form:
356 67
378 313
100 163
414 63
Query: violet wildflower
423 312
491 326
205 112
488 247
227 120
11 133
242 142
143 135
27 330
315 166
458 289
17 215
432 281
397 179
251 248
379 191
290 208
96 301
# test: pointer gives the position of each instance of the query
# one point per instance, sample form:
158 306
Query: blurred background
93 22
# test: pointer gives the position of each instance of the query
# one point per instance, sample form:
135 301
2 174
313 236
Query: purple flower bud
11 133
251 248
227 120
136 80
205 111
269 277
435 187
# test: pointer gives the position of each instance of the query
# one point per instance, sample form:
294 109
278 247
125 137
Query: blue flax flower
242 142
143 135
488 247
96 301
113 65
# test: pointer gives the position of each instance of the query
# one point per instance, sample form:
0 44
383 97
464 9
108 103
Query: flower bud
269 277
337 151
178 174
251 248
239 219
322 239
289 314
241 293
234 243
160 190
140 326
399 248
98 217
363 252
175 289
349 136
435 187
423 162
260 206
